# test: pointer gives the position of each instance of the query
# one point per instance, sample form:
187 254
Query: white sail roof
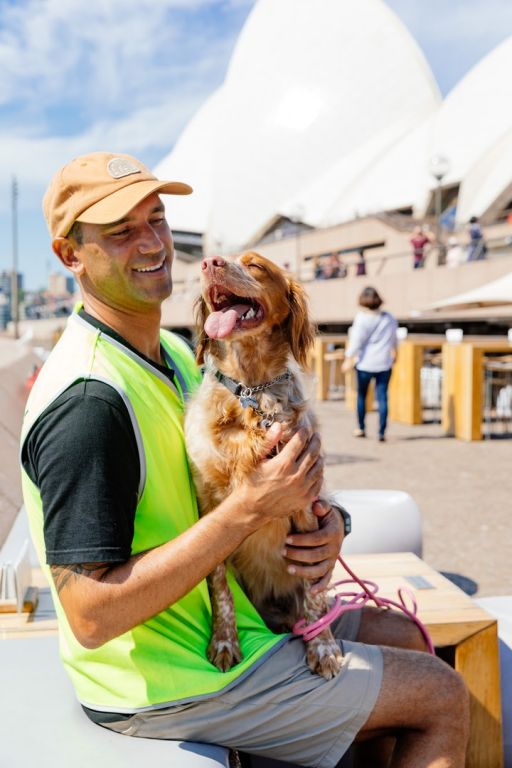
329 111
309 85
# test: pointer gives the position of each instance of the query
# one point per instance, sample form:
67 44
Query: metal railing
376 264
497 415
431 386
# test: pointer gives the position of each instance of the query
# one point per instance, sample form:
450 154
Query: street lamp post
14 276
439 167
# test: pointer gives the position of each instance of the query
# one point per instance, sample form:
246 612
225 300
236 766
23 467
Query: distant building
5 283
58 284
5 310
5 295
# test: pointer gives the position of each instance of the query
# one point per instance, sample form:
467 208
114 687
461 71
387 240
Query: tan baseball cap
100 188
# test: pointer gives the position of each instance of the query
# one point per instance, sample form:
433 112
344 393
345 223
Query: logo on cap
119 167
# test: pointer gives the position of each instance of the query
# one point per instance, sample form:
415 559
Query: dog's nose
214 261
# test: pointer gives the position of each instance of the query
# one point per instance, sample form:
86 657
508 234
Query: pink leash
356 600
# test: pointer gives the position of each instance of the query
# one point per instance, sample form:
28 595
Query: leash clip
246 398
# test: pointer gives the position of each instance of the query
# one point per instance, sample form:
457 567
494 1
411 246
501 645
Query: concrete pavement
464 490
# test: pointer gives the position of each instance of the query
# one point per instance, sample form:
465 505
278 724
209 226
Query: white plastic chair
382 521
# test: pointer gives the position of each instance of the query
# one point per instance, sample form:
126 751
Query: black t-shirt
82 455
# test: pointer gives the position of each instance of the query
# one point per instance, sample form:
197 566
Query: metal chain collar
245 394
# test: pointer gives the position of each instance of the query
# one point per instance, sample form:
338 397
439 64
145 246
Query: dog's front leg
323 652
224 648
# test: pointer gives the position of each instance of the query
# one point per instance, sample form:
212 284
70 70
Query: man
113 513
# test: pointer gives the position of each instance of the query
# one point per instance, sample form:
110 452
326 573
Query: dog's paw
224 654
324 658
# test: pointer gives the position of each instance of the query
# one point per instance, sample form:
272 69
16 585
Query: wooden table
463 377
464 635
41 622
322 358
405 404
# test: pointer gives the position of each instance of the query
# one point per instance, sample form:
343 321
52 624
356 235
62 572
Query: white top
372 340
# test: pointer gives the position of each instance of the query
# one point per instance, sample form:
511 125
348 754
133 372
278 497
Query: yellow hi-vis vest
164 659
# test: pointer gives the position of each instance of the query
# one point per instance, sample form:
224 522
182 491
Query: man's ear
67 255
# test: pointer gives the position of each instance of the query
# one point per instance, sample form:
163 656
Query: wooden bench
464 634
43 725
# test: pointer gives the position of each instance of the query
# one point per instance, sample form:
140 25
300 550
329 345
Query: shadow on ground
408 438
332 459
467 585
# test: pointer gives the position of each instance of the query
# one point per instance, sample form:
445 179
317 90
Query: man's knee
421 692
450 699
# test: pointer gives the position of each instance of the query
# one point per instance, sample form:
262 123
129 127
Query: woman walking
372 350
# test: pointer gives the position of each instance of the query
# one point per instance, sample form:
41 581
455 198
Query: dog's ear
301 331
203 340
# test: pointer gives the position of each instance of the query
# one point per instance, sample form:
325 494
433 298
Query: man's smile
154 268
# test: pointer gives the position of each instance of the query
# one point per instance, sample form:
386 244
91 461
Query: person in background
361 265
455 253
372 350
343 271
334 267
419 241
318 268
477 249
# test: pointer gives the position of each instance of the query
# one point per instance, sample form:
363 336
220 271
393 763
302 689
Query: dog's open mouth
231 312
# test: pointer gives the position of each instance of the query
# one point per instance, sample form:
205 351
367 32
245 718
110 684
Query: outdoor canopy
493 294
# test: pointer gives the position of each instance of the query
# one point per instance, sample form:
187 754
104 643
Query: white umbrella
493 294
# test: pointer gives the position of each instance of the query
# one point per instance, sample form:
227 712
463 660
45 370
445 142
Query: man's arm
102 601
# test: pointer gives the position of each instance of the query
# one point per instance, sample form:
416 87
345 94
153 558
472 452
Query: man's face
127 264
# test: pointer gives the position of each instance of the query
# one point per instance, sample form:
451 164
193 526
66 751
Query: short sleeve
82 455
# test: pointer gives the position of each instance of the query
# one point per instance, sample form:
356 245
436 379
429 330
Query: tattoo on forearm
63 573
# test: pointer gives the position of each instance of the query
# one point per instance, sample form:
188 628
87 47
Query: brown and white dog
253 330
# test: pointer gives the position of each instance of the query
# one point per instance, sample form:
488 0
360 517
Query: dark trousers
381 390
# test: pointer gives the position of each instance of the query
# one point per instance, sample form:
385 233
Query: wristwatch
347 520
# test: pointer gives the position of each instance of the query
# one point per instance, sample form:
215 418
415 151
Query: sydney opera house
329 135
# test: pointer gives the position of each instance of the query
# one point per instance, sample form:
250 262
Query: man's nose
214 261
150 241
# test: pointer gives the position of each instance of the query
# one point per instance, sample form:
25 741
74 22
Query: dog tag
247 402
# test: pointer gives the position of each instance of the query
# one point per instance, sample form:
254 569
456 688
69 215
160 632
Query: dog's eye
256 266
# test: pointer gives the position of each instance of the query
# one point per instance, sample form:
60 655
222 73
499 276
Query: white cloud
110 54
34 160
124 75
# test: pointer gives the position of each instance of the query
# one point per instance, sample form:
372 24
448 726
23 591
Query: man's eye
120 232
157 222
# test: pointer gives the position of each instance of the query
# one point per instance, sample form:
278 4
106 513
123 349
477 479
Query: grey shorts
280 709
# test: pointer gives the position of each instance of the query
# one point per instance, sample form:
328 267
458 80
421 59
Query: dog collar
245 394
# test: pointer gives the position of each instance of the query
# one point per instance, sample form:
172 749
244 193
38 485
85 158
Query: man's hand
348 364
313 555
286 482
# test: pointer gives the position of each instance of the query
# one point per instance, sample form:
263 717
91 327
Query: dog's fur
225 441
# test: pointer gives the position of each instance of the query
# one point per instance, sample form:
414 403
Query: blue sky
127 75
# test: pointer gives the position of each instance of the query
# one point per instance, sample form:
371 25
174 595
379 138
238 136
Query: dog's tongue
219 324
